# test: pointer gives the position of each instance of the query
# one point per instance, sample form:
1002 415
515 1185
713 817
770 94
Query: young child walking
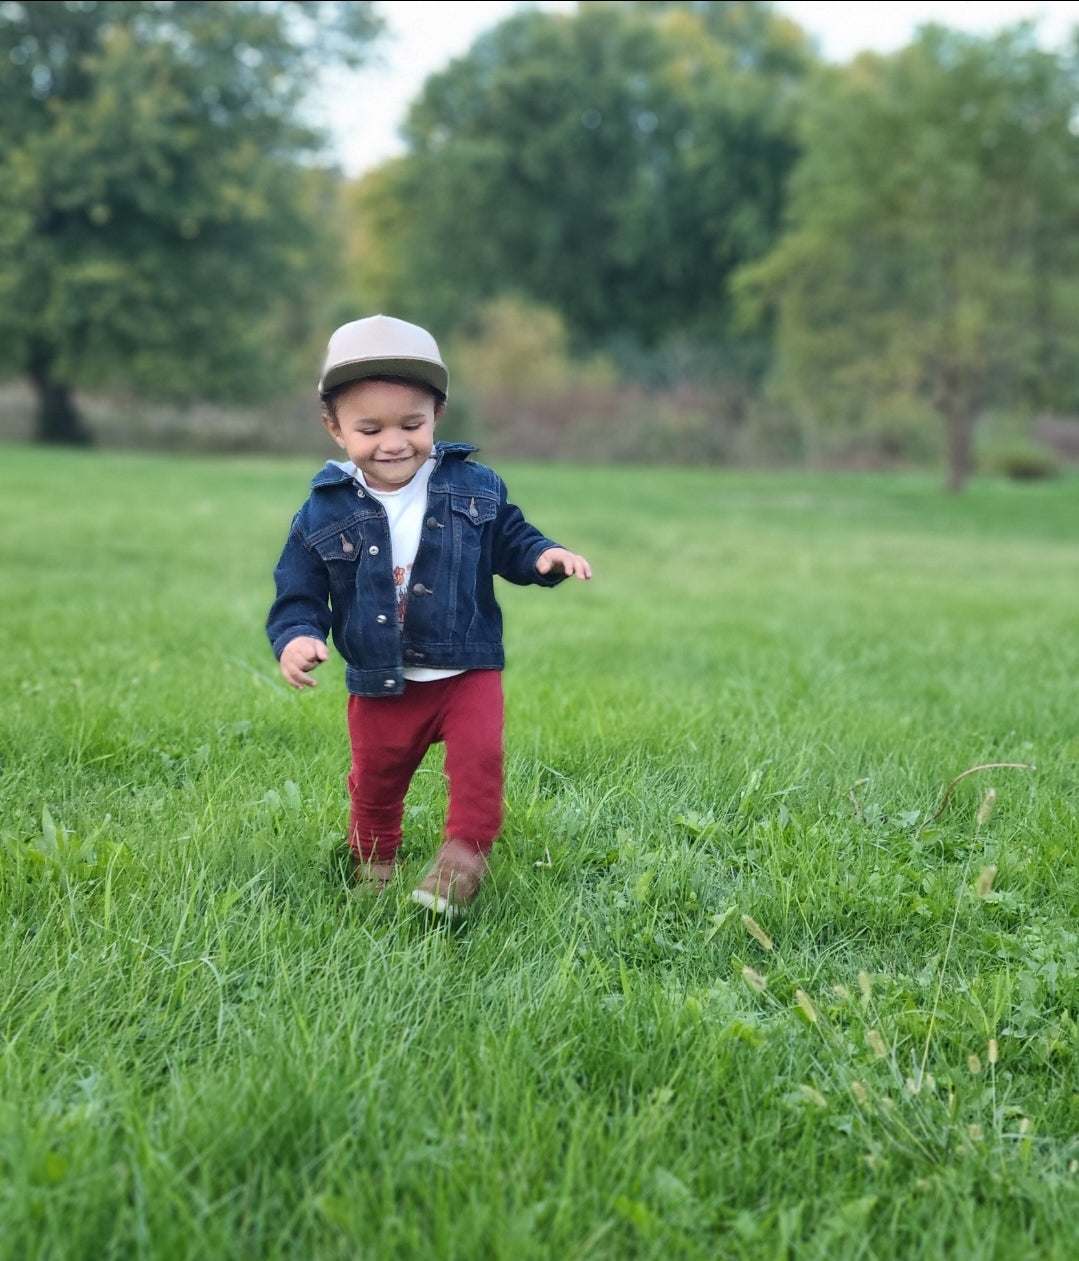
394 553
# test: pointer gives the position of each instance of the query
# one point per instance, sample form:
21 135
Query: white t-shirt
404 511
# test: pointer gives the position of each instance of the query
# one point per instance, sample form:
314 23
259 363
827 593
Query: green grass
209 1050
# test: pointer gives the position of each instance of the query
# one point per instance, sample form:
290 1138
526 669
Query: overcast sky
364 110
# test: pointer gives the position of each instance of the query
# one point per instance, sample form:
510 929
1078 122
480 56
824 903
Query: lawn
738 987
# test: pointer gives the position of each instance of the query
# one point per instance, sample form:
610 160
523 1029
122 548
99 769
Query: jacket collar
334 472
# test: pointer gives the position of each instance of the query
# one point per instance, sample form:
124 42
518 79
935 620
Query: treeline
660 231
768 254
164 225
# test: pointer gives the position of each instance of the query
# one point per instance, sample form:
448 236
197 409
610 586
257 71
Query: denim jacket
336 573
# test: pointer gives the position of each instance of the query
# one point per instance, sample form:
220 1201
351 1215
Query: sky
363 109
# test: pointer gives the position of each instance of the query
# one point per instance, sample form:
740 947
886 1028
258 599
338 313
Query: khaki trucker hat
382 346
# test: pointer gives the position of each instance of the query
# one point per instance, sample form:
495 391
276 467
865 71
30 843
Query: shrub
1025 464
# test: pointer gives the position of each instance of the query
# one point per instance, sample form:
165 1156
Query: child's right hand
300 657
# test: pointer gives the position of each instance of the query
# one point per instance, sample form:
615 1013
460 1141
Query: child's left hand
556 560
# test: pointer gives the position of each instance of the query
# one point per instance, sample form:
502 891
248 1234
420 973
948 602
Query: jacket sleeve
302 606
518 545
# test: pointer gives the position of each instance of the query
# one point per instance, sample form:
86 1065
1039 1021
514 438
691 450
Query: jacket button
433 523
419 589
359 493
372 550
389 683
382 619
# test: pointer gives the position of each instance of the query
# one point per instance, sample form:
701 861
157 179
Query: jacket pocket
343 546
470 514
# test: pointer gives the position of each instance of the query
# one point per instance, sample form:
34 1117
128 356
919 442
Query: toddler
394 553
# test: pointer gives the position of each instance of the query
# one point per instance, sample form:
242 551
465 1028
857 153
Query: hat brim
423 371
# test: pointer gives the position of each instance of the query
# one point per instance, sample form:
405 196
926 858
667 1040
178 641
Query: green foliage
729 993
615 165
527 348
931 251
1025 463
521 392
158 228
520 388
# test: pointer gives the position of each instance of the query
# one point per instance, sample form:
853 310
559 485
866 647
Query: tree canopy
155 227
931 251
682 184
617 164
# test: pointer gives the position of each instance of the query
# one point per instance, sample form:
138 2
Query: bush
1025 464
520 391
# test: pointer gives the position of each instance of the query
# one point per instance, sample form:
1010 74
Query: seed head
754 979
814 1095
756 932
983 886
805 1004
986 808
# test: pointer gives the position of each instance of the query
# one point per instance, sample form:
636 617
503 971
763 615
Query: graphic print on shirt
400 581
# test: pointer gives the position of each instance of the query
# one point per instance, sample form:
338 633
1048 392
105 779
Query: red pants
390 735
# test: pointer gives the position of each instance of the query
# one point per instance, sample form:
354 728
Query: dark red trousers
390 735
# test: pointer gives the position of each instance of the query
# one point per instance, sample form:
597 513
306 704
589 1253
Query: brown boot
453 881
370 878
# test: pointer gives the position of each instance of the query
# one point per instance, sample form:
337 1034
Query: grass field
732 990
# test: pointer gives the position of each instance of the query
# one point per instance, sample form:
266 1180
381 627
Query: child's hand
556 560
300 657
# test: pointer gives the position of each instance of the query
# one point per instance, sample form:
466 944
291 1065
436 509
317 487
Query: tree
931 250
155 218
617 165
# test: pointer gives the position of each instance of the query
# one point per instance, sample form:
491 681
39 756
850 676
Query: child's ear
333 428
440 411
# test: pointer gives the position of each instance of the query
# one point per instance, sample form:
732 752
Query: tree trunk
958 401
959 428
58 422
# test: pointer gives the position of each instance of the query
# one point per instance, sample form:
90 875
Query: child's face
387 429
